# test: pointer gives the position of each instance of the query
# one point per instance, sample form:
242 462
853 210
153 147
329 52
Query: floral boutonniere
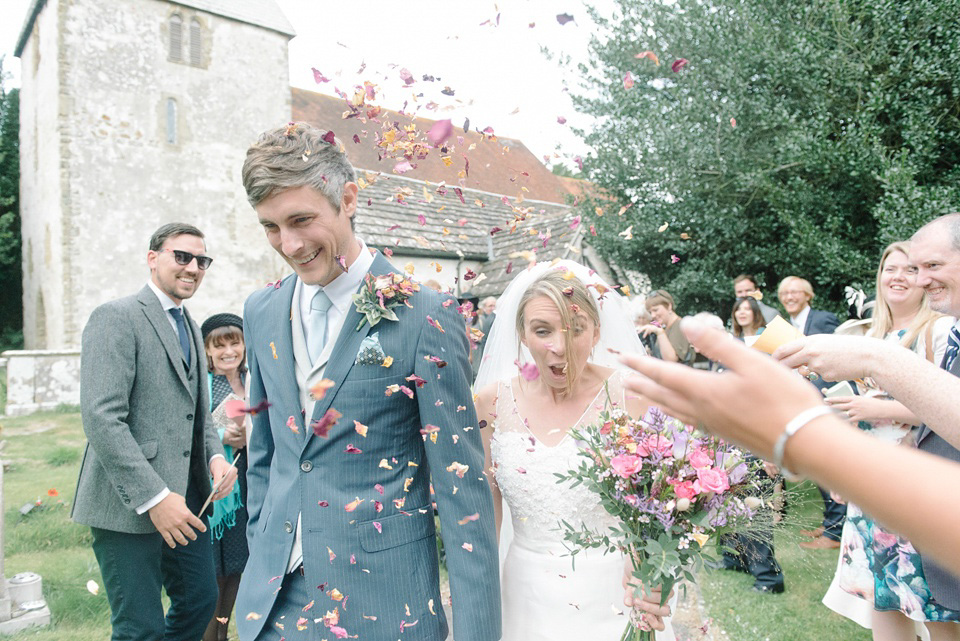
380 294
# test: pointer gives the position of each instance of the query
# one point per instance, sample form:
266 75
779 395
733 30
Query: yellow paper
778 332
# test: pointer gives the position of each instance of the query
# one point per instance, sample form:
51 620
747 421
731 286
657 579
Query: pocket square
370 353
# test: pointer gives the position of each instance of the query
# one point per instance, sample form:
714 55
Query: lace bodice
524 469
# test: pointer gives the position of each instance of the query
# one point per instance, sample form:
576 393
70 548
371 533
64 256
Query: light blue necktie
182 333
317 336
953 348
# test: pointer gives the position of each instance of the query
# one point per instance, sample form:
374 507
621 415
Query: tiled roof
498 166
386 221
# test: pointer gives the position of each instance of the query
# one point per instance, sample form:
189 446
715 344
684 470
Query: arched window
171 121
176 38
196 44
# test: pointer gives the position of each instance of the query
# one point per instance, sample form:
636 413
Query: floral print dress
876 564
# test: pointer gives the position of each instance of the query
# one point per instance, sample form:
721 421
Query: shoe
814 533
821 543
768 589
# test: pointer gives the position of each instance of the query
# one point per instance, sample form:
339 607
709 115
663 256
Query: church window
171 121
196 44
176 38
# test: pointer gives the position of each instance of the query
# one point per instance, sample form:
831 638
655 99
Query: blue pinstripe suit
385 566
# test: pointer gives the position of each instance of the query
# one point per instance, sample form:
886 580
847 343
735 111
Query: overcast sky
497 73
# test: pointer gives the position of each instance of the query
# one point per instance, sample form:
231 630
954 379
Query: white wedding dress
544 597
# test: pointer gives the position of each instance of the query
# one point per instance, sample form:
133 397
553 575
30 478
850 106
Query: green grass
44 453
797 614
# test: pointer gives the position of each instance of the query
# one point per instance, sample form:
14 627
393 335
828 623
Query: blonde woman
557 323
876 565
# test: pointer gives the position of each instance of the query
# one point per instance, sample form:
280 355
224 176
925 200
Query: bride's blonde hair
564 290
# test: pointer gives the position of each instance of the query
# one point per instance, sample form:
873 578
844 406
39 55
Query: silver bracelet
793 426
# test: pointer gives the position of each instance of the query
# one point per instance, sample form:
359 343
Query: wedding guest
226 374
747 318
876 565
557 326
642 318
907 377
486 314
752 401
795 295
150 446
746 285
755 554
673 346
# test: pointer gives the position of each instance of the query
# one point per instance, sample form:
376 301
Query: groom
360 420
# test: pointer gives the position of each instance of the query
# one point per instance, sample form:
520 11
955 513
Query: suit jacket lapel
279 329
198 359
344 351
155 314
955 370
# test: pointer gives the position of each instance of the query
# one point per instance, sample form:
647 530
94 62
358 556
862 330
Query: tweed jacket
146 416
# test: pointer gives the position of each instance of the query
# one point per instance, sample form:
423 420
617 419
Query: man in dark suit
151 442
795 294
907 377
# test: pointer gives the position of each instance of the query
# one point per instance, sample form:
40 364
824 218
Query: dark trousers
833 516
755 556
136 566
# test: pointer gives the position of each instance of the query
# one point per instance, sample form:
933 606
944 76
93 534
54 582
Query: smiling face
743 288
898 282
545 336
938 268
310 234
662 314
226 352
744 315
793 297
179 282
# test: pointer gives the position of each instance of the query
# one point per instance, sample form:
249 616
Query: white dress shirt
167 304
340 291
800 320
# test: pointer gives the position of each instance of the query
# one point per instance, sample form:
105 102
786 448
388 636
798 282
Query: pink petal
678 64
439 132
628 81
319 77
564 18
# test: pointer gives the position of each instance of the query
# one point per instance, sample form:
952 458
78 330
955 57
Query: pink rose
660 443
626 465
699 459
711 480
685 490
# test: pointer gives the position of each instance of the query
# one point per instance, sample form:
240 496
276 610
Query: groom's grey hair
297 155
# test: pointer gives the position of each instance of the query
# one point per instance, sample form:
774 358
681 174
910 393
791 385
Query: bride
548 369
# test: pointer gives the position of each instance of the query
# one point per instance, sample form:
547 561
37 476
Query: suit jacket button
186 454
189 417
126 501
288 526
306 466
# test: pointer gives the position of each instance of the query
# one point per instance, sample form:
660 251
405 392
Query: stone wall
110 176
41 380
41 187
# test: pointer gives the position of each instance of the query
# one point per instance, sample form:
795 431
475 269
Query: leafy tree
11 302
798 139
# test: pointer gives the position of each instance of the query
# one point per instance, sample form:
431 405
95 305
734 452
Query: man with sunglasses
152 448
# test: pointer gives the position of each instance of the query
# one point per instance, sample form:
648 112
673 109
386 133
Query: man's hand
647 609
175 521
833 357
224 475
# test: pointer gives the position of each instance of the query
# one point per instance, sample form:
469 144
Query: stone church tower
134 113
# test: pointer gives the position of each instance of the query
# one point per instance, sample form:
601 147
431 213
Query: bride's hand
648 608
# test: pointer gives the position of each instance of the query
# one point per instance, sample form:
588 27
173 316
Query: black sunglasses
184 258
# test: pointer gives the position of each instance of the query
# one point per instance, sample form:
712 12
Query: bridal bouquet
670 487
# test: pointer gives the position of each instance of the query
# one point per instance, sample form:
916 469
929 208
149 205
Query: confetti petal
439 132
93 587
564 18
319 390
678 64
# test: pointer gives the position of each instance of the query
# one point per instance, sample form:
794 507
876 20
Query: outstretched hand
749 403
